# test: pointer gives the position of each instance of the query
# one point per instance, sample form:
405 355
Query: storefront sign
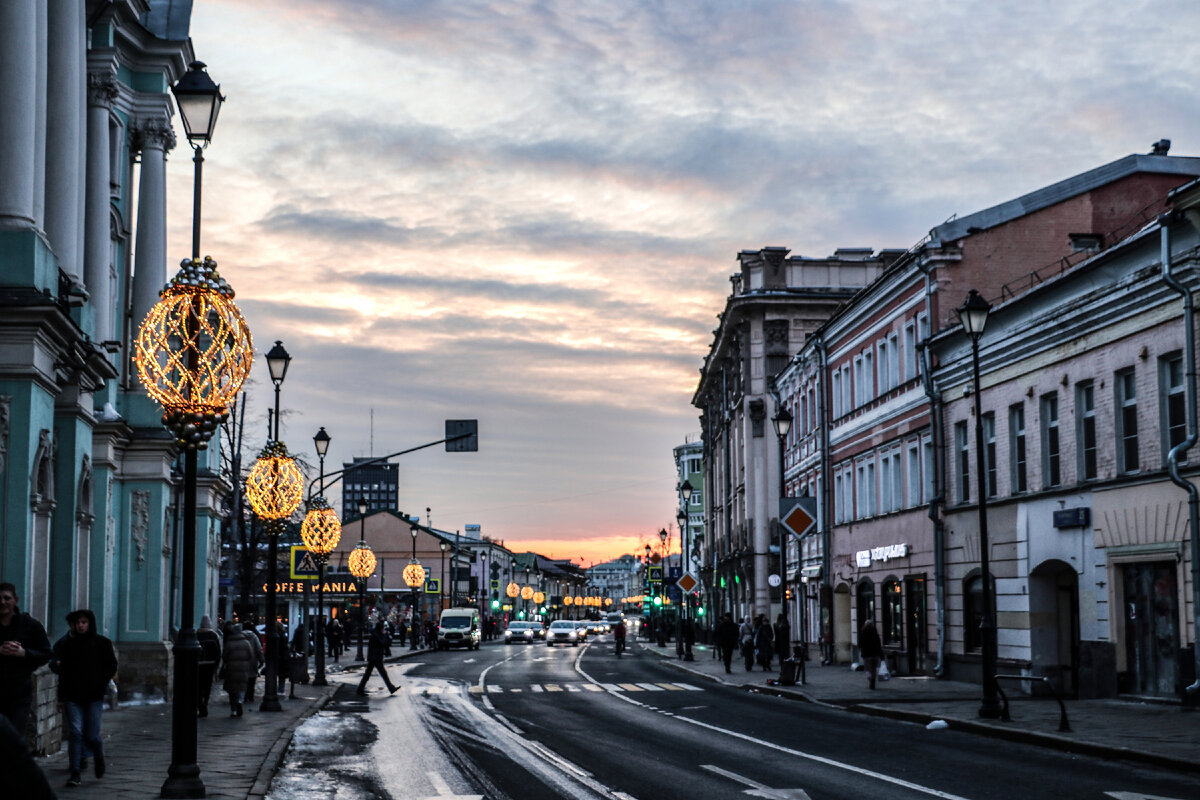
299 587
1072 517
864 558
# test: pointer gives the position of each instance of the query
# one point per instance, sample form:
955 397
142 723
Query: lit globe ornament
362 561
578 600
539 597
274 486
193 352
414 575
322 530
568 600
526 592
512 590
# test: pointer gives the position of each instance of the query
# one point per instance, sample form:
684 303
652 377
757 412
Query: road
528 722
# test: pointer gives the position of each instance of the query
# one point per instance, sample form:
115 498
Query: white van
459 627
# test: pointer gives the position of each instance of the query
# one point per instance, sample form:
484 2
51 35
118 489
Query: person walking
240 666
334 634
870 648
251 637
298 663
764 645
782 635
283 657
24 647
376 646
746 642
727 639
210 660
85 662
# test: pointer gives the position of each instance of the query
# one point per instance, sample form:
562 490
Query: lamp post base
183 780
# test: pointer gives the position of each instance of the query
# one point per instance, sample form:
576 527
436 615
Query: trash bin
787 672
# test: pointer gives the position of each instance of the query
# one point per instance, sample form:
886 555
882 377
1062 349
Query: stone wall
44 732
144 670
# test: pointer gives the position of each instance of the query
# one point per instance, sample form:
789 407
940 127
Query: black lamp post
278 360
647 600
484 587
362 586
416 619
523 592
685 562
321 442
973 314
442 545
783 423
199 101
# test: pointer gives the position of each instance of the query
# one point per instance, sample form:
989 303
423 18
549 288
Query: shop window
893 614
973 612
866 602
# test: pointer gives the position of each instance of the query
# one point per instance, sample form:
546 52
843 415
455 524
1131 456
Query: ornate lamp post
321 533
484 587
973 314
193 353
414 576
662 609
362 589
416 619
362 566
682 613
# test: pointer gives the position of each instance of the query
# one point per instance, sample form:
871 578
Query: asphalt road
535 723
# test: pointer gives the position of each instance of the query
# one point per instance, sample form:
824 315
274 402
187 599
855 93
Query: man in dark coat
376 647
85 663
871 650
210 661
24 647
727 639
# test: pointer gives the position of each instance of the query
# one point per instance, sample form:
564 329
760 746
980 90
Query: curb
1023 736
274 757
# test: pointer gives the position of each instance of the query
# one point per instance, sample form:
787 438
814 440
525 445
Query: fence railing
1063 724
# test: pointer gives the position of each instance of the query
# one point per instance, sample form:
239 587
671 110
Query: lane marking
758 789
650 687
536 687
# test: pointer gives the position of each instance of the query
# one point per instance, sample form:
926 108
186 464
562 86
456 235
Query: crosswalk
583 687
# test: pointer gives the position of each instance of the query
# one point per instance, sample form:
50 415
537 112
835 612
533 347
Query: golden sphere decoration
362 561
322 530
512 590
578 600
274 486
607 602
526 592
539 597
414 575
568 600
193 352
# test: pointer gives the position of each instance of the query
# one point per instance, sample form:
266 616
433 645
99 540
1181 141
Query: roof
1064 190
168 19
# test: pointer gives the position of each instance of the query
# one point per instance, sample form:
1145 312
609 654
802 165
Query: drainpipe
935 503
824 424
1179 450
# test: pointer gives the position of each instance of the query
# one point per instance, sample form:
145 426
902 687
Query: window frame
1017 450
1125 421
1085 431
1051 435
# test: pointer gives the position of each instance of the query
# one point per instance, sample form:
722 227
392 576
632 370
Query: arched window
973 611
893 613
866 602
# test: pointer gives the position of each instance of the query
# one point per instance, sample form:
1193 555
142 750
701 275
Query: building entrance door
914 605
1151 627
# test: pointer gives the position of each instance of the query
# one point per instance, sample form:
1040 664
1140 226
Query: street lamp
412 529
321 532
662 609
362 566
362 594
973 314
682 613
783 423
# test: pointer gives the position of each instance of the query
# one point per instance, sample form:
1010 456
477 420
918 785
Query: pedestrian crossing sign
304 566
433 586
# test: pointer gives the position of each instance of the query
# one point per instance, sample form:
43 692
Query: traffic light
658 599
699 611
495 604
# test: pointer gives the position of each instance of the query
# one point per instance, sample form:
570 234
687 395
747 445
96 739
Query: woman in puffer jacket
240 666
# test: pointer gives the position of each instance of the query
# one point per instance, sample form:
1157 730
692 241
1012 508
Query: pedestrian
256 648
298 669
375 650
24 647
430 634
210 662
870 648
403 629
764 645
335 634
239 666
23 777
783 632
85 662
746 642
283 657
727 639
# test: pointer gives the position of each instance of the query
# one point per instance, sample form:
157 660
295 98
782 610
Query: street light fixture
442 545
321 532
362 566
783 423
362 593
416 620
662 609
973 314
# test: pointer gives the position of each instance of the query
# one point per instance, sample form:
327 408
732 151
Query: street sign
433 586
462 435
798 514
687 582
303 565
655 574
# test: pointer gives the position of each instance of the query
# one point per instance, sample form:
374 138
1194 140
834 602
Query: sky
527 213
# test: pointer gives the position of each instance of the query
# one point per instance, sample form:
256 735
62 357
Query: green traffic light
658 601
700 611
495 604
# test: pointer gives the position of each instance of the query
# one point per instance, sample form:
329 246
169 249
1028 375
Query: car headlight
508 634
572 635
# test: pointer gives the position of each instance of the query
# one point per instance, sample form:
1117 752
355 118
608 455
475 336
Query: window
1127 427
962 448
865 488
1016 448
836 380
910 350
812 410
989 451
1085 435
891 494
885 377
842 495
914 474
1174 405
973 612
894 356
893 613
846 389
1051 474
858 381
866 602
929 467
869 376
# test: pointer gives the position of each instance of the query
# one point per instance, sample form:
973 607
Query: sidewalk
1152 733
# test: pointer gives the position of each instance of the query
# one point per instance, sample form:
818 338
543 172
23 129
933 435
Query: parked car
563 631
522 632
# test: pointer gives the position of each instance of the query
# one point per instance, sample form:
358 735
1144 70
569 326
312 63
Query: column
154 138
65 109
18 110
97 255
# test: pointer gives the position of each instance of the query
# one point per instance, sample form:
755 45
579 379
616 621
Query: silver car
521 632
563 631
